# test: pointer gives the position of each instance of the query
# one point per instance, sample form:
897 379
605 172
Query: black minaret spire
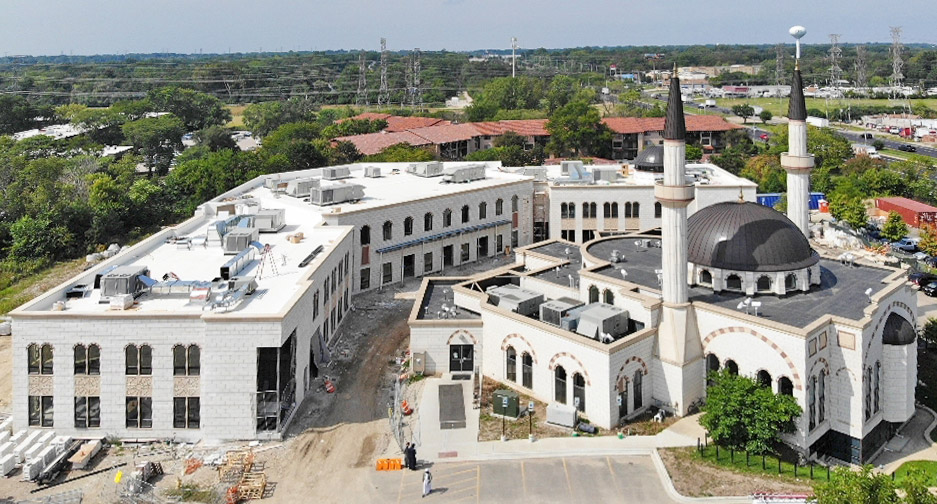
674 123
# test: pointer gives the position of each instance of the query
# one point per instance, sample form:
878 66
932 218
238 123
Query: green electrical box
506 403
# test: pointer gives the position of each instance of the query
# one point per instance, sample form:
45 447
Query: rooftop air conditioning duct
514 298
336 193
372 171
430 169
270 220
552 312
238 240
462 174
600 319
300 188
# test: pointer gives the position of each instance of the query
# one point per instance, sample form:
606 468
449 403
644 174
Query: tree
929 332
262 118
693 152
878 144
196 110
38 238
766 171
157 139
928 243
848 486
216 138
744 111
576 127
894 228
742 414
16 114
400 153
765 116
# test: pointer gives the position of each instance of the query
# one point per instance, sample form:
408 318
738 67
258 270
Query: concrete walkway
912 442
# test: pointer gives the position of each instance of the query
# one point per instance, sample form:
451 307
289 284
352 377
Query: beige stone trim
797 163
40 385
86 385
186 386
140 386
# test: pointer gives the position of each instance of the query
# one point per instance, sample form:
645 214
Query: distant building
914 213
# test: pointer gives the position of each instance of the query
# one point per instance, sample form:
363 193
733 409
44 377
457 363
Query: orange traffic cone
329 387
405 407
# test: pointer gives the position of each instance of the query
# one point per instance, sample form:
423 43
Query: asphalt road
854 136
619 479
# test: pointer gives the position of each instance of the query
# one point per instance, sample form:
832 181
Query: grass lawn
754 464
928 466
14 292
237 116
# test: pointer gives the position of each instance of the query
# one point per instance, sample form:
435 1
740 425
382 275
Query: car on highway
907 148
922 279
866 136
930 289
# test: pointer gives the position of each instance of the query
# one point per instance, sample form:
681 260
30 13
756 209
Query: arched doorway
579 392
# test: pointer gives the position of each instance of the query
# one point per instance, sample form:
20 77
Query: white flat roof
717 176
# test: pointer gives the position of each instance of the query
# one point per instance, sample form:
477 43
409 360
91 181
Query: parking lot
623 479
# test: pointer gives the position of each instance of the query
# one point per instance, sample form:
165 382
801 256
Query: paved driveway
623 479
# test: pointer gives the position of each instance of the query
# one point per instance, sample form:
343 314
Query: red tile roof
373 143
523 127
629 125
446 133
398 123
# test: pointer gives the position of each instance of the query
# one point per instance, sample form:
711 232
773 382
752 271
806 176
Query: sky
80 27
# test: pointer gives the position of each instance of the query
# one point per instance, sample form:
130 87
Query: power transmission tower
408 77
362 97
778 64
861 70
513 56
383 96
897 78
835 54
417 89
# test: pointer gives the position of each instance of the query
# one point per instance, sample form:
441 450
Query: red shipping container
913 212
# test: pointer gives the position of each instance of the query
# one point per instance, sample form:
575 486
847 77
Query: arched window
610 210
868 393
593 294
592 210
527 370
585 211
712 366
482 210
87 360
821 408
564 211
39 359
628 210
178 360
579 392
138 360
194 363
763 284
608 297
408 226
388 230
465 214
499 206
812 402
764 378
365 235
572 210
559 385
734 282
428 221
511 362
636 210
514 203
732 367
790 281
658 210
446 218
877 384
638 389
705 277
785 386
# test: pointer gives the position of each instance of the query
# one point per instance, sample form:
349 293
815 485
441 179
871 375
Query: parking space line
569 485
614 476
458 482
446 475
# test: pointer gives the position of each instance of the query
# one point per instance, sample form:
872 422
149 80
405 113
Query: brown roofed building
632 134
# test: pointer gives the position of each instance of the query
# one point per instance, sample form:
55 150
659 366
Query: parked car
907 148
931 261
922 279
908 245
921 256
866 136
930 289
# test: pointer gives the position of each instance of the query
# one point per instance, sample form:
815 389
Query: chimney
796 161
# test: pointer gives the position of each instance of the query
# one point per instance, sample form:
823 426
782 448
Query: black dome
651 159
745 236
898 331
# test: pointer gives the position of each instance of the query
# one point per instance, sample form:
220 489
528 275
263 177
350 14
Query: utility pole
362 97
513 56
408 76
383 96
897 78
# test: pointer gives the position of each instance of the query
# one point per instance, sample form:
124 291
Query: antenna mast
417 89
835 54
383 97
897 78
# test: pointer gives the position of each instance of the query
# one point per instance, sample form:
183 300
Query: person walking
406 457
427 483
411 457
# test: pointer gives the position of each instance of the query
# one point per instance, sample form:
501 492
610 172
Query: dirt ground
693 479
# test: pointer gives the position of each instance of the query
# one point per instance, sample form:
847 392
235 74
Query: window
593 294
511 363
636 210
186 360
446 218
868 393
427 262
139 360
39 359
40 411
139 413
588 210
326 290
465 214
587 235
465 252
315 305
705 277
821 408
408 226
571 210
732 367
610 210
608 297
657 210
334 281
559 385
499 243
790 282
87 412
482 210
365 278
785 386
579 392
527 370
734 282
388 231
514 203
185 412
365 235
812 402
499 206
87 360
712 366
877 387
764 283
514 239
387 275
428 221
628 210
638 389
564 211
764 378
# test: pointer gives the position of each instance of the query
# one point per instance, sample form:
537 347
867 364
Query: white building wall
435 341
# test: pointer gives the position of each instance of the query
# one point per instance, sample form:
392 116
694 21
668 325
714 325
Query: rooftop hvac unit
336 193
300 188
270 220
571 167
552 312
430 169
336 172
129 280
514 298
238 240
604 174
462 174
539 173
372 171
600 319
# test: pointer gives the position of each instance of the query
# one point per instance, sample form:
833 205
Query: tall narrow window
638 389
868 393
139 413
408 226
812 402
33 358
138 360
465 214
579 392
564 211
446 218
608 296
593 294
559 385
514 201
40 411
657 210
527 370
428 221
185 412
636 210
365 235
821 400
877 383
178 360
87 412
81 359
388 230
499 206
482 210
511 364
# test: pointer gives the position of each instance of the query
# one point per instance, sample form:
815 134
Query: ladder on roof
267 257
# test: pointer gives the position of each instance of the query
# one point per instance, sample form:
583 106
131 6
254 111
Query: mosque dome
745 236
651 159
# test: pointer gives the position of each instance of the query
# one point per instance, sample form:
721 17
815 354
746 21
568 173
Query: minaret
797 162
679 347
